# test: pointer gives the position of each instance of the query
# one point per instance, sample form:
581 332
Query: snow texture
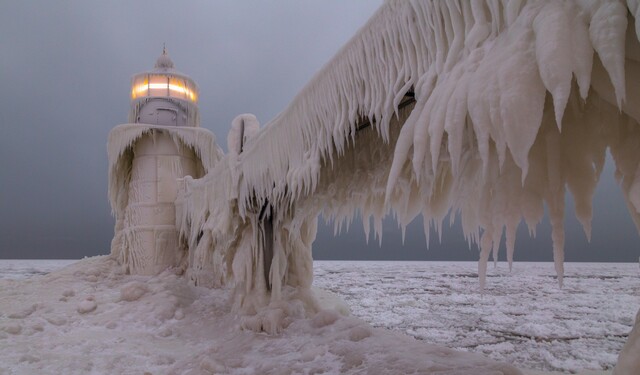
177 328
523 319
243 128
629 360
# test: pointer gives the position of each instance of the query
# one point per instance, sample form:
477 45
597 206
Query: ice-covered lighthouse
162 143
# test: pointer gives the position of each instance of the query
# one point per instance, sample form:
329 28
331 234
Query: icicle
634 8
581 52
480 29
454 122
607 31
521 107
553 54
366 223
403 146
495 247
512 10
485 249
510 241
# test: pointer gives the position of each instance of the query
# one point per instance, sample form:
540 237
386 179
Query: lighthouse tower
161 143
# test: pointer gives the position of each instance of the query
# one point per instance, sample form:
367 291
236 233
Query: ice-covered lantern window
164 96
164 85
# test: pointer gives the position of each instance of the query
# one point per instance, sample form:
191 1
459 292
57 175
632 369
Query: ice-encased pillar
146 163
149 228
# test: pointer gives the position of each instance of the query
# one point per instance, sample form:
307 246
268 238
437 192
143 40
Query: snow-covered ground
90 318
18 269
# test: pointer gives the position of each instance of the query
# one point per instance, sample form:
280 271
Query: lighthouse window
192 91
163 85
183 89
158 85
178 88
140 87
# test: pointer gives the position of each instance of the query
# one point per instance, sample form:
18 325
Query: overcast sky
65 69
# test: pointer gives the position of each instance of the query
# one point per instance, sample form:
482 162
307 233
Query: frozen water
523 318
25 268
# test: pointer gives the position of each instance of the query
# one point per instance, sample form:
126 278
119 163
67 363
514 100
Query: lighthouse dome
164 61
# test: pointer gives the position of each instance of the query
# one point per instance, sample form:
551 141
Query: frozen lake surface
18 269
524 318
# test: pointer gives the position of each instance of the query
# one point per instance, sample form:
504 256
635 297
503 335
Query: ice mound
629 360
87 305
133 291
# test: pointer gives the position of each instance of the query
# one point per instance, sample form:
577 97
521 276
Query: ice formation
490 110
515 103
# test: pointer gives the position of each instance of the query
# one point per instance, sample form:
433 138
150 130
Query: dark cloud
64 82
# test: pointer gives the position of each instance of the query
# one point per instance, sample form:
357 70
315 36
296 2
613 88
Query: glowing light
143 89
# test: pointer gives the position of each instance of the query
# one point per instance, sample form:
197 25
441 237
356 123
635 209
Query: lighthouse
161 143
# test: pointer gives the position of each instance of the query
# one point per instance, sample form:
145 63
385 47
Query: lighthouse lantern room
164 96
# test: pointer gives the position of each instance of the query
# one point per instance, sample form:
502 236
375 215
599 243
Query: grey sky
65 68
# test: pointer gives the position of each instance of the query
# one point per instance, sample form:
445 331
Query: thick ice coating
145 162
514 104
491 110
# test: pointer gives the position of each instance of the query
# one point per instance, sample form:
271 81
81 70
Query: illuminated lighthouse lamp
164 96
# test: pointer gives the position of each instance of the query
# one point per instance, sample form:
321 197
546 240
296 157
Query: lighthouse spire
164 61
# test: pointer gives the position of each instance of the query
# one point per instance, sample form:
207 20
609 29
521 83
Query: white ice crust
144 162
92 318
